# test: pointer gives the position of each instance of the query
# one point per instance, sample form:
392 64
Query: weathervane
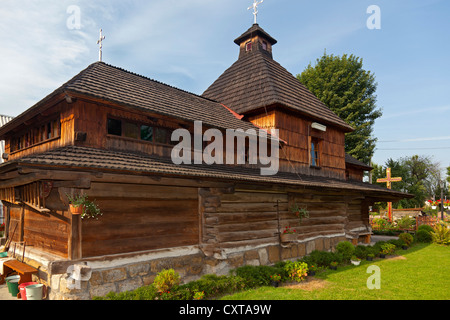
255 5
100 42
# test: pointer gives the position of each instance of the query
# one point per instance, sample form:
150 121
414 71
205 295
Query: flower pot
433 207
369 258
382 256
275 284
333 267
288 237
405 247
355 262
76 210
311 273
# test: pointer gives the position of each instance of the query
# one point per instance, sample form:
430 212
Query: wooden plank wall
42 231
296 131
140 217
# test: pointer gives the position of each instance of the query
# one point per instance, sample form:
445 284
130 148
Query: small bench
25 271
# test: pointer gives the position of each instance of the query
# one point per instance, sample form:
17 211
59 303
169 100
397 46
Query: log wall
250 217
140 217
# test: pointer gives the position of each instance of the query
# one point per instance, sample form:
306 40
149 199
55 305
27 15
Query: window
248 46
315 155
146 133
115 127
264 45
131 130
35 135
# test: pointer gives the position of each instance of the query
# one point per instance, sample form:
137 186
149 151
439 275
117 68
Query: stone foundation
99 276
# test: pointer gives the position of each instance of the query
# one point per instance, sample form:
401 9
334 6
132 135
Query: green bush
425 227
166 279
346 249
441 234
387 248
397 242
259 275
361 251
321 259
423 236
407 238
405 222
297 271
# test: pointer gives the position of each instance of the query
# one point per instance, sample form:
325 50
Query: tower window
248 46
264 45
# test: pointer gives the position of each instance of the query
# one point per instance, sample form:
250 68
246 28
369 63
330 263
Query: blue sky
189 43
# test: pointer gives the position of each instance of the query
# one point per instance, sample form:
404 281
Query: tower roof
254 30
256 81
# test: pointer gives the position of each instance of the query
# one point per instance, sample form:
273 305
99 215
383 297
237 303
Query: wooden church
106 133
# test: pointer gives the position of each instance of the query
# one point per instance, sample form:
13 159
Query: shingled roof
103 81
255 81
82 158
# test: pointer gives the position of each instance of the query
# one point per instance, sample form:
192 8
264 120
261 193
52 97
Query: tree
420 177
348 90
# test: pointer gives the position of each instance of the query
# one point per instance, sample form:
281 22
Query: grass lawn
420 273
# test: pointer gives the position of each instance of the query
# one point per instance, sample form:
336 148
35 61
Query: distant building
3 121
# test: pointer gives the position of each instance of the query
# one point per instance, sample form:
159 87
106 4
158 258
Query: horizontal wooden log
241 217
250 207
254 197
244 227
132 191
247 235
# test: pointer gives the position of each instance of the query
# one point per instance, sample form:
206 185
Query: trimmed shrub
259 275
397 242
423 236
425 227
361 251
407 238
346 249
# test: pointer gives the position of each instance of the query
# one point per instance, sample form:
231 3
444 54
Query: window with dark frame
142 132
248 46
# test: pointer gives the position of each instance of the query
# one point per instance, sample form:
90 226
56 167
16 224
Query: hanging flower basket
76 210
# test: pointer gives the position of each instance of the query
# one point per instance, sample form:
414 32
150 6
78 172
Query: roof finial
100 42
255 5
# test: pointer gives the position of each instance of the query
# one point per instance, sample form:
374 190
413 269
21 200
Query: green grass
423 275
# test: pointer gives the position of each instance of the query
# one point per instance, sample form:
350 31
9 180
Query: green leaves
348 90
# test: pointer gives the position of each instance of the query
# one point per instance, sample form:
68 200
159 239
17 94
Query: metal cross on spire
255 5
100 42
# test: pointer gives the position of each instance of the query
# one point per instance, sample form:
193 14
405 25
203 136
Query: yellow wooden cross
388 180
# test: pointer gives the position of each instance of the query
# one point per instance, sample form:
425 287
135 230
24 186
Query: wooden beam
74 245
